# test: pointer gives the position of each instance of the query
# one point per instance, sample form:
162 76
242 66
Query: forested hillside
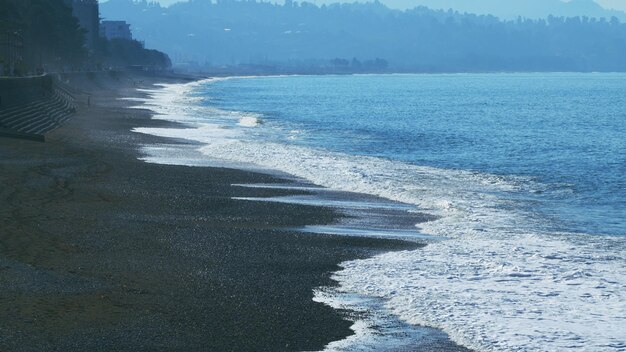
506 9
307 36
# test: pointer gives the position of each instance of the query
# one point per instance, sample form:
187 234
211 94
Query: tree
124 53
50 33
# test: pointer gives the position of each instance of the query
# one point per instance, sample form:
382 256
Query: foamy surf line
500 282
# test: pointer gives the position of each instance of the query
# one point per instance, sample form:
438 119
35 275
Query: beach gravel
102 252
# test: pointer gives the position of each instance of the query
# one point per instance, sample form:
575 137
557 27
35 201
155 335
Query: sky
613 4
609 4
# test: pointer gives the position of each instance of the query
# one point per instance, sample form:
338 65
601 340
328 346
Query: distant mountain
509 9
304 38
505 9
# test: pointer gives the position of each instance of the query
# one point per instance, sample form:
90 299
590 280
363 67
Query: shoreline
101 251
87 242
362 216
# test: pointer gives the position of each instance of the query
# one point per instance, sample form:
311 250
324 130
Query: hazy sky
613 4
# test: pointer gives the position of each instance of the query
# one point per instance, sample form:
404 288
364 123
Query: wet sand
102 252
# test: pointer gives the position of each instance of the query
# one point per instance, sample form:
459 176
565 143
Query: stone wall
18 91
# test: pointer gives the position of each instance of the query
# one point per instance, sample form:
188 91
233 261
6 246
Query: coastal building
88 14
115 30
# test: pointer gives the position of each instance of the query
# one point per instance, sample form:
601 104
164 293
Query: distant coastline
369 37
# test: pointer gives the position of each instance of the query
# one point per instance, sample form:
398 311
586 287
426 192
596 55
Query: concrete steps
41 116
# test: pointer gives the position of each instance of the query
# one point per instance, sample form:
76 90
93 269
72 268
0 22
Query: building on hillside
88 14
115 30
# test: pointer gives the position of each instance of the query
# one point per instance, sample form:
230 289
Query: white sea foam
250 120
500 282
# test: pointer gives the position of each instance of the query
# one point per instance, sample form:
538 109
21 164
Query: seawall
33 106
30 107
18 91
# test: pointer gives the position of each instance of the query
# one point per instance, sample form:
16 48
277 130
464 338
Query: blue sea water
566 131
525 175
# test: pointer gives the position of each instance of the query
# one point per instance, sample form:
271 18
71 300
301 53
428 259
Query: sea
519 181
